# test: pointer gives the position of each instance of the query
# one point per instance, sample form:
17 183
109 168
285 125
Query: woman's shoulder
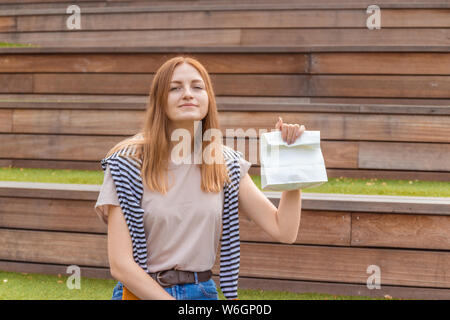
126 155
231 154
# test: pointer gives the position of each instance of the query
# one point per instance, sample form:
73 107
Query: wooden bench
44 228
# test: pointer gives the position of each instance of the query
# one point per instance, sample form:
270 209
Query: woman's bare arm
122 265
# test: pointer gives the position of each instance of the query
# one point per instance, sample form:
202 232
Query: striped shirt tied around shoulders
125 171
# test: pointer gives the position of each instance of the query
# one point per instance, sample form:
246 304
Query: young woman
183 203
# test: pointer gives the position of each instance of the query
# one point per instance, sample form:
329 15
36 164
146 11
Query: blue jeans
190 291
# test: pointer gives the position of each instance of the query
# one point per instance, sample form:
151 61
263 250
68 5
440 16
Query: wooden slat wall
288 23
43 233
379 97
398 130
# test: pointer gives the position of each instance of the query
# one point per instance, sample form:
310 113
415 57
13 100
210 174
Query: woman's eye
180 88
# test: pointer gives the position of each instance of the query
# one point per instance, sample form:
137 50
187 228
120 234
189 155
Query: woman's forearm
288 215
140 283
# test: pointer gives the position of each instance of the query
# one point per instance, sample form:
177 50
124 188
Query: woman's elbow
119 270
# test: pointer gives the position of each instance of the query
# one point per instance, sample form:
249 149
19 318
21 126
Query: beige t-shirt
182 227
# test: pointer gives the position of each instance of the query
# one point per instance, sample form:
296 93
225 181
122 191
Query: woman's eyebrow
195 80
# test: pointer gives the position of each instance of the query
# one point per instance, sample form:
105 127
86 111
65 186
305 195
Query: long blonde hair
152 143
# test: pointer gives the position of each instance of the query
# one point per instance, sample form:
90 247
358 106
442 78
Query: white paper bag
299 165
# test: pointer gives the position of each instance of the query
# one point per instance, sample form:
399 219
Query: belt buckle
158 279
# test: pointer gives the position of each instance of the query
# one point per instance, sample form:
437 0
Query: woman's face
186 87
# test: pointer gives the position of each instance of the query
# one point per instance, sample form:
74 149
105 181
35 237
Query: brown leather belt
170 278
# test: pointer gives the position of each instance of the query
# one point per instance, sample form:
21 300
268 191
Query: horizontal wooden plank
316 227
250 85
7 24
400 231
16 83
321 63
233 37
150 6
6 120
76 121
54 247
382 103
367 127
404 156
333 126
338 37
56 147
343 264
49 214
150 62
291 18
380 63
226 49
127 38
380 86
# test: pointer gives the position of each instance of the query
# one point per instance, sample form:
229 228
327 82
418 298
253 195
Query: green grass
334 185
9 45
374 186
24 286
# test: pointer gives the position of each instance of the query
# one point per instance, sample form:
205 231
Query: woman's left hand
289 132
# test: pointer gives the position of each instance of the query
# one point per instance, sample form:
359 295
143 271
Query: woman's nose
187 92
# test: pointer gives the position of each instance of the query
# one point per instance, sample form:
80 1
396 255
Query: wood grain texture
49 214
344 264
86 122
400 231
56 147
8 24
150 62
404 156
380 63
206 19
406 86
233 37
316 227
54 247
16 83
